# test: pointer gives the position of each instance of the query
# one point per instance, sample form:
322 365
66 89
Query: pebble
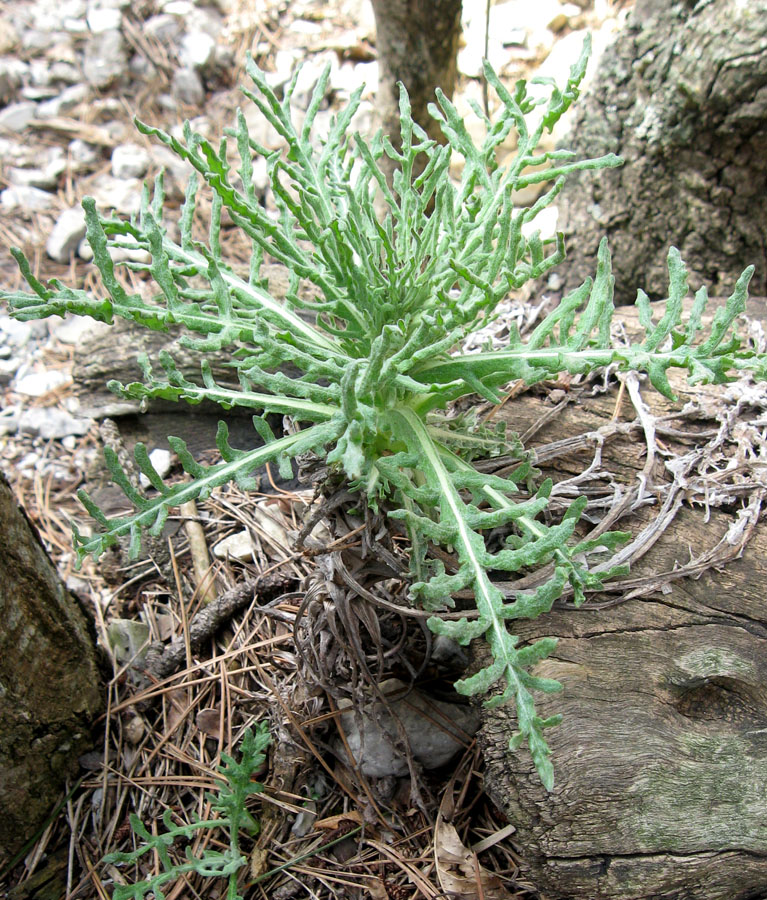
101 19
83 153
65 102
50 423
236 546
15 333
38 384
163 27
196 50
17 116
181 8
67 233
8 368
130 161
120 194
73 329
161 460
186 87
105 60
31 199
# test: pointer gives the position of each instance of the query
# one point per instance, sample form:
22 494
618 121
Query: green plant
376 353
229 802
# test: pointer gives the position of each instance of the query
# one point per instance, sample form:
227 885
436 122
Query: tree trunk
50 685
682 96
661 759
417 42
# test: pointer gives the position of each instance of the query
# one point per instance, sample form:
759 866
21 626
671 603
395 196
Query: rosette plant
375 355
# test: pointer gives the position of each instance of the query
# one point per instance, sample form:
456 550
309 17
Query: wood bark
417 43
681 95
50 685
661 759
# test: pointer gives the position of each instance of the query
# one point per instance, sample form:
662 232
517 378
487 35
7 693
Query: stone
163 27
105 60
74 329
186 87
38 384
196 50
84 154
66 101
436 731
17 116
46 179
181 8
177 171
52 424
15 333
67 233
130 161
161 460
101 19
8 368
120 194
545 222
236 546
31 199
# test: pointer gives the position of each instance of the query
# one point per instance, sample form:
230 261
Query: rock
83 154
130 161
545 222
120 194
67 233
181 8
163 27
161 460
196 50
105 60
29 198
436 730
45 179
74 329
449 653
236 546
66 101
186 87
50 423
15 333
101 19
8 368
17 116
177 171
38 384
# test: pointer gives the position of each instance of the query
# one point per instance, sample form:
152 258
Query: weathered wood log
50 685
661 759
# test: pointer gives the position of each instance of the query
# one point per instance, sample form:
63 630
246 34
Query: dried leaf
209 721
459 871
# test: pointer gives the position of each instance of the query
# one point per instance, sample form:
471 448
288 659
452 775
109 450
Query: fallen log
661 759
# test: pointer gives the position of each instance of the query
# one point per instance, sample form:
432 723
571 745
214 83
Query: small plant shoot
228 803
374 359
